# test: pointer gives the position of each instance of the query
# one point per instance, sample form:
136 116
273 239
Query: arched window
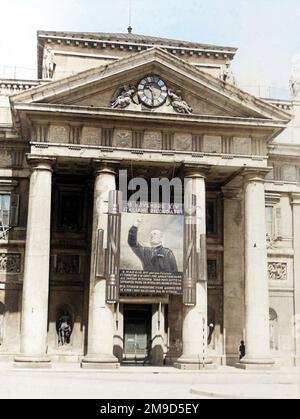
2 312
273 329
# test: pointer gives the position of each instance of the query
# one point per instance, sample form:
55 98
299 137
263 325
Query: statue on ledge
48 64
295 77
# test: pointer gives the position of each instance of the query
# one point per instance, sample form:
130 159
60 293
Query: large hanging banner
151 251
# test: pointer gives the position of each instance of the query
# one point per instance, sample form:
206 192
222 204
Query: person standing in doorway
242 350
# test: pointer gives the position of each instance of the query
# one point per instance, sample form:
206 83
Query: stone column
101 315
157 335
234 277
194 327
256 275
296 235
37 260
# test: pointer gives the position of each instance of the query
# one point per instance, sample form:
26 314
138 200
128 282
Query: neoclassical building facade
155 108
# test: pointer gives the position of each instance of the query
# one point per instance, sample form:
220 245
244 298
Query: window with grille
9 210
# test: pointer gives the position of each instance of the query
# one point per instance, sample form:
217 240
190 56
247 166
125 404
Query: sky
267 32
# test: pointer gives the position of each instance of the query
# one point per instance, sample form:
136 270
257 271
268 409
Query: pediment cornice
206 86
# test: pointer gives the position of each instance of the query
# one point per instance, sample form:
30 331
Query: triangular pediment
199 93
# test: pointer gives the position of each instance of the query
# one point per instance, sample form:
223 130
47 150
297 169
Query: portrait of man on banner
151 252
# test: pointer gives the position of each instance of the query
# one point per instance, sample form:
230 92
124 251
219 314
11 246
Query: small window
9 210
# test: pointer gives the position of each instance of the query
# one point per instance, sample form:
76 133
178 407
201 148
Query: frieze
277 271
10 263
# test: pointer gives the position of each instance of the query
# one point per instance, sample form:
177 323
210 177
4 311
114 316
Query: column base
32 361
193 363
100 362
256 364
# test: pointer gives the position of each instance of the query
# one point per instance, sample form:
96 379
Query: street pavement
70 382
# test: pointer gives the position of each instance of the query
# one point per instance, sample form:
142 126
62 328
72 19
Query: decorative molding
277 271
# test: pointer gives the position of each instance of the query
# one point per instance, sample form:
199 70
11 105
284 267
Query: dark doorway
137 333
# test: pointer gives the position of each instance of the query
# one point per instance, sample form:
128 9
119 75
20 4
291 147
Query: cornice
109 113
174 48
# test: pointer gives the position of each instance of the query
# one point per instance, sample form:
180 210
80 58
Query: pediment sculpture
151 93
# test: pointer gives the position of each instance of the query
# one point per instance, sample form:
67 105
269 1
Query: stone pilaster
194 323
234 278
101 315
296 234
256 275
36 272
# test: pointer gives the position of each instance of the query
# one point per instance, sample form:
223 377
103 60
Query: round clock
152 91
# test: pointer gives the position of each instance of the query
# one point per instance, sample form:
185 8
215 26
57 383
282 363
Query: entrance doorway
137 333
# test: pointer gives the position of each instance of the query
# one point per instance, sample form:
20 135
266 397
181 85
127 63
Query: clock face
152 91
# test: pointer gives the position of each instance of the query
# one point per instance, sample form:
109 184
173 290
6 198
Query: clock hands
152 91
150 88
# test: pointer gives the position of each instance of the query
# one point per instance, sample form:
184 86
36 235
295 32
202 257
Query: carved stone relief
152 140
123 97
10 263
91 135
59 134
122 138
212 144
277 271
5 158
11 158
242 146
289 173
183 142
178 104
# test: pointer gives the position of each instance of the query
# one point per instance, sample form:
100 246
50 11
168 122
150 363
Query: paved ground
146 383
